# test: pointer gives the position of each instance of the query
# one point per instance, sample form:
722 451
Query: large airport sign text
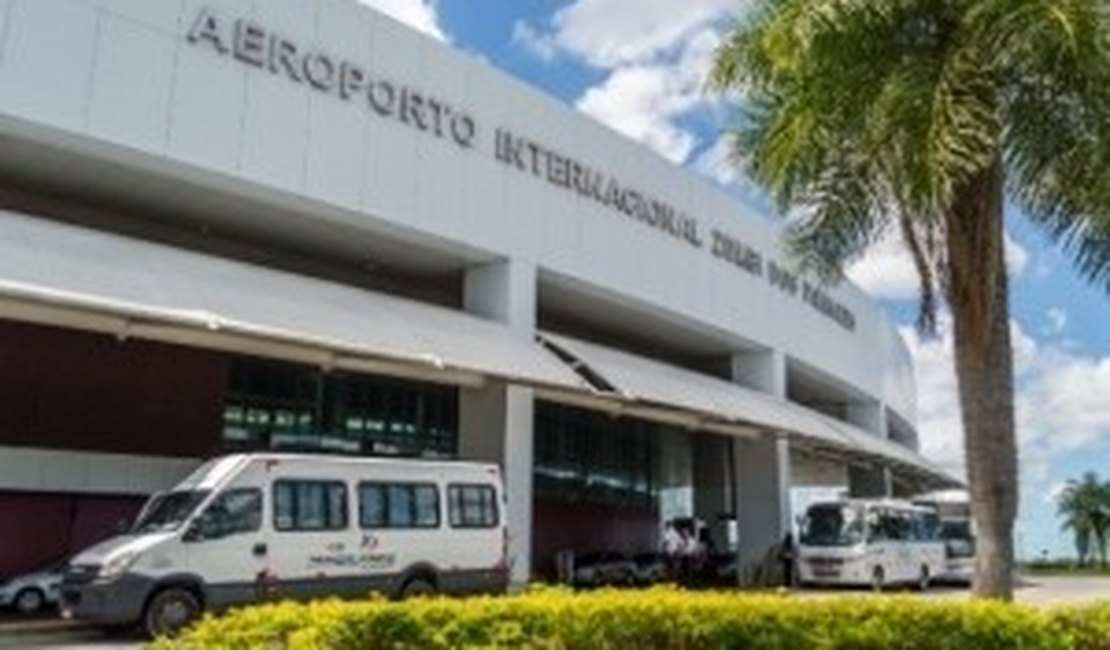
253 44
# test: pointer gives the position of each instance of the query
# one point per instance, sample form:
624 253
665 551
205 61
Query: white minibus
957 531
872 543
256 527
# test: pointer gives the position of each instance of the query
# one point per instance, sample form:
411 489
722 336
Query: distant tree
1085 508
929 117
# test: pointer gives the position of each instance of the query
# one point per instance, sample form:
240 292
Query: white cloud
1057 320
654 59
422 15
644 101
887 270
1060 399
542 46
610 33
1054 492
716 163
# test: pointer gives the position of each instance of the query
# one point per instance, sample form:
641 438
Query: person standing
788 554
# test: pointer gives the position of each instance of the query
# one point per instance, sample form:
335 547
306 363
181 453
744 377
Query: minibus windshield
832 524
168 511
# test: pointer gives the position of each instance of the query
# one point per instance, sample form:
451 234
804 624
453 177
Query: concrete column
496 421
762 467
763 477
876 481
761 370
869 416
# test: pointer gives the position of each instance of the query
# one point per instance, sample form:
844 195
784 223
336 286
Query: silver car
31 592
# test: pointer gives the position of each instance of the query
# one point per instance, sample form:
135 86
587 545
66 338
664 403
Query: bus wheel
924 579
417 587
878 579
170 611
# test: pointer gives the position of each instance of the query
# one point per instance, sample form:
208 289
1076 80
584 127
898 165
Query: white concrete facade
373 139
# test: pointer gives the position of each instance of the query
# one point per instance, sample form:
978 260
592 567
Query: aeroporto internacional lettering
305 227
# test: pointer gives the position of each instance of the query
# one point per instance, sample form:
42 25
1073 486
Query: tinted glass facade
585 456
286 407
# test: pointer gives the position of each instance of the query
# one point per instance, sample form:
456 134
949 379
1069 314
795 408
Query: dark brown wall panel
36 529
66 389
562 526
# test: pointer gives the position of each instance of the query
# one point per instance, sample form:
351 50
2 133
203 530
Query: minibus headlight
115 567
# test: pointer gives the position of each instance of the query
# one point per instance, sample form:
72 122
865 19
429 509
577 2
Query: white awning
65 275
654 387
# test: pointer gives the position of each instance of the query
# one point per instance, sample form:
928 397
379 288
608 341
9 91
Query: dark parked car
651 568
599 568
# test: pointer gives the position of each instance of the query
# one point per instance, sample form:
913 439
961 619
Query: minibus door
227 548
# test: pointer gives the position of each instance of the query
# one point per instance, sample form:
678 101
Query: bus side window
472 506
309 505
398 505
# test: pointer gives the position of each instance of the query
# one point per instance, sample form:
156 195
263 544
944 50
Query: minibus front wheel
416 587
169 611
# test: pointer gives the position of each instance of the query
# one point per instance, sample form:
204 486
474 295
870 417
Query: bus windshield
168 511
832 524
958 538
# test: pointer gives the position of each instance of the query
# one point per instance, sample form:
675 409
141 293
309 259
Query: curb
47 626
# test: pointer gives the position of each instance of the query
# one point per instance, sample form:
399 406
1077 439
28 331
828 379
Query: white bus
872 543
246 528
957 531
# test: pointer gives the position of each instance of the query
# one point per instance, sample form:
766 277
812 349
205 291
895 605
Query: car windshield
167 511
832 525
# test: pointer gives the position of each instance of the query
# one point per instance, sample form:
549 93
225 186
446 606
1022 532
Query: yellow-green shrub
655 618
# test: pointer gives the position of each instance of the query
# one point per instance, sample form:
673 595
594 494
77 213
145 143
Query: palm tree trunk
977 292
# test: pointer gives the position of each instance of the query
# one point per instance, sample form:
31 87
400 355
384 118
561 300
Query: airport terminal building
291 225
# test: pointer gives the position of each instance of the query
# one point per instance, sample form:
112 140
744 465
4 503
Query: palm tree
929 117
1085 507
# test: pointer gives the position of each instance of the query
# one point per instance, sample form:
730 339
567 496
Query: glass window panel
310 505
232 512
372 500
427 506
400 506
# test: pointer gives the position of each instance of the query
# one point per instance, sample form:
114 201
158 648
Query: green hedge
654 618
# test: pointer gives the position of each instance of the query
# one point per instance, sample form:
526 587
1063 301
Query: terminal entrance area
594 485
619 490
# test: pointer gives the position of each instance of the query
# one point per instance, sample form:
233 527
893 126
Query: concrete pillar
874 481
496 421
762 467
761 370
869 416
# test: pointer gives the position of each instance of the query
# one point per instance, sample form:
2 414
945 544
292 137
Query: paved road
1038 590
44 634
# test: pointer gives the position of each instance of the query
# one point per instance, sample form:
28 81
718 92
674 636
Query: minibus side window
310 505
232 512
472 506
398 505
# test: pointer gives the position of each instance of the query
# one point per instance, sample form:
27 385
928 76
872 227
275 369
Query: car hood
115 546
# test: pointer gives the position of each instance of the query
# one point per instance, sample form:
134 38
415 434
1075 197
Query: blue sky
637 65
